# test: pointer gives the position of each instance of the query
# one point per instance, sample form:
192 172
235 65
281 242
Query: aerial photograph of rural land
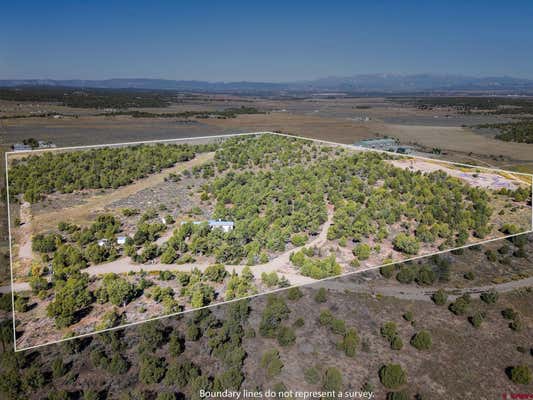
260 201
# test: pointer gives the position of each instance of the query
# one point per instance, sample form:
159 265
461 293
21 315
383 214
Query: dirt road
483 179
281 264
417 293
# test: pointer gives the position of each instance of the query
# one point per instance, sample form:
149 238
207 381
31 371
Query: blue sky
263 40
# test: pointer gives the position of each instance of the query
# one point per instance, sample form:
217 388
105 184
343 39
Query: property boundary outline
225 136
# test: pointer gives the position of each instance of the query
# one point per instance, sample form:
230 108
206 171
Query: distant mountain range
367 83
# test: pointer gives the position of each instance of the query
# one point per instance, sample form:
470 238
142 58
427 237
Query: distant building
226 226
404 150
46 145
41 144
102 242
379 143
122 239
21 147
385 144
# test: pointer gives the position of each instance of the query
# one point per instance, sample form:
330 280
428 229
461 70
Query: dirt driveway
281 264
484 179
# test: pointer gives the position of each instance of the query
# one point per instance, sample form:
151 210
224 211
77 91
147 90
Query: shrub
489 297
299 323
392 376
181 372
286 336
439 297
215 273
21 304
406 275
350 342
325 318
320 296
151 369
274 313
272 363
477 319
469 276
387 271
388 330
521 375
516 324
397 396
509 313
294 293
176 344
332 380
362 251
460 306
312 376
338 326
270 279
425 276
298 239
421 340
406 244
58 368
408 316
396 343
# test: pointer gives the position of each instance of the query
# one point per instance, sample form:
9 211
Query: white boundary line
11 258
366 269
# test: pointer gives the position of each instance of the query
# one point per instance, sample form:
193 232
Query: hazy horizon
274 42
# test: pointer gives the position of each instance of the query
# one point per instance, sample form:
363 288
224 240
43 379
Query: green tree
274 313
392 376
439 297
406 244
489 297
421 340
477 319
396 343
362 251
70 298
151 369
215 273
286 336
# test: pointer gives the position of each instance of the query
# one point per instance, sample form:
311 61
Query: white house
121 239
226 226
102 242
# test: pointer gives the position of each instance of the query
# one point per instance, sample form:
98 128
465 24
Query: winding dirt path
281 264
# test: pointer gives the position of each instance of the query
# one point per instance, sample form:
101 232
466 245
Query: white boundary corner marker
317 282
